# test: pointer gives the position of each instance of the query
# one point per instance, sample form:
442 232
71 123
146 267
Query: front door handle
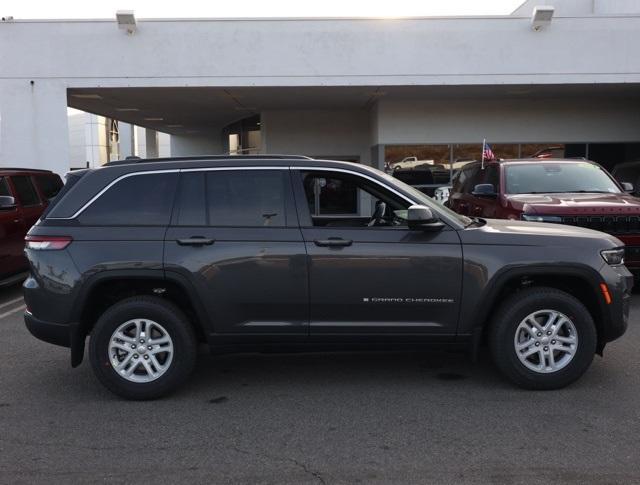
195 241
333 242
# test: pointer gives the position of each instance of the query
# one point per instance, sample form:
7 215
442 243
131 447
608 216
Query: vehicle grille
632 253
608 224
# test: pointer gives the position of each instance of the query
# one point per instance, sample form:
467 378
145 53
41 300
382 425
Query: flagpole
484 142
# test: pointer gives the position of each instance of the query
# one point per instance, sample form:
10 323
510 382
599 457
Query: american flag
487 153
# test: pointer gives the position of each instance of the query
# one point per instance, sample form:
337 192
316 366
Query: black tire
174 322
503 330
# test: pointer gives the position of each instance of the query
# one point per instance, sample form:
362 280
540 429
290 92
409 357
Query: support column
34 131
377 156
128 145
151 141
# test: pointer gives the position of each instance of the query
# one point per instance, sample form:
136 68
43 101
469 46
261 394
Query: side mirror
420 218
628 187
484 190
7 202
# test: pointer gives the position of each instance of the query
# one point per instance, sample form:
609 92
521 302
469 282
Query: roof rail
132 159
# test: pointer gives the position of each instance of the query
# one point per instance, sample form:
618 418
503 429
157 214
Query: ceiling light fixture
154 119
87 96
127 109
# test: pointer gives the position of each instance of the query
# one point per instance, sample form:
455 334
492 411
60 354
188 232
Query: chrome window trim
448 220
107 187
359 174
154 172
253 167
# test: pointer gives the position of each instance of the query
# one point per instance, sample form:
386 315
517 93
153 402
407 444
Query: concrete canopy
189 110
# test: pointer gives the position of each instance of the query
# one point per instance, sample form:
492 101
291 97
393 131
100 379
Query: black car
252 253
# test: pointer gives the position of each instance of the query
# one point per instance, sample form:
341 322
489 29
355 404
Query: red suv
575 192
24 195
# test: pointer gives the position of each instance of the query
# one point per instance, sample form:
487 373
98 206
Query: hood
575 203
523 233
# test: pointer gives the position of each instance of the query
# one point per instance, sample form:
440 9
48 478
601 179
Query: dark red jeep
575 192
24 195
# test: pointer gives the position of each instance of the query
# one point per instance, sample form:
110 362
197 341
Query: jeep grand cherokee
247 253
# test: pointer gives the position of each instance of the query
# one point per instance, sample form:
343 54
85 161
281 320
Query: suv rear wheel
543 338
142 348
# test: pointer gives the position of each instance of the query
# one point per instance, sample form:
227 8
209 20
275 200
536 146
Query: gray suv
258 253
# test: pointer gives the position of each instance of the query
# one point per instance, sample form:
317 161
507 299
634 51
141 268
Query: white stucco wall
41 59
290 52
500 120
188 145
317 133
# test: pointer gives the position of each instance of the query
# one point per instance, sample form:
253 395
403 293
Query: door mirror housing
628 187
484 190
421 218
7 202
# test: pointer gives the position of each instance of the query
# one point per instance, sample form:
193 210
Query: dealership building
371 90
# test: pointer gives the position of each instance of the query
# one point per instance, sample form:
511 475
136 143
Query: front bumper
620 283
53 333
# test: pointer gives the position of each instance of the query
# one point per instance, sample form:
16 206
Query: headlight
613 256
536 218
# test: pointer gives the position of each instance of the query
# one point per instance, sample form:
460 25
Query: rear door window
139 200
25 190
232 198
49 185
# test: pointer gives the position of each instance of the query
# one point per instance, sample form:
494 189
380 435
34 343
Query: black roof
18 169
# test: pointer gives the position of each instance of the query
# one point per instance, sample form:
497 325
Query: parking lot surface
316 418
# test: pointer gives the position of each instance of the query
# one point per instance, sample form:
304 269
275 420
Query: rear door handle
195 241
333 242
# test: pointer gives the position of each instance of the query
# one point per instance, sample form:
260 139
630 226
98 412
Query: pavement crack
316 475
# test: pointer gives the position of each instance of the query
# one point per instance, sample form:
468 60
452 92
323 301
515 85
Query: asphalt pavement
316 418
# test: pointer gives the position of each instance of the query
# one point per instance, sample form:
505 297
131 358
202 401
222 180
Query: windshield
424 199
544 178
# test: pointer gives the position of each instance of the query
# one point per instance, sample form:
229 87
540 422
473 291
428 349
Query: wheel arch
580 281
106 288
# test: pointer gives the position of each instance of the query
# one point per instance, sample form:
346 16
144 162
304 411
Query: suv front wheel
142 348
543 338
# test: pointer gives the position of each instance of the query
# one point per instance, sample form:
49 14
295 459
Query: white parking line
11 312
10 302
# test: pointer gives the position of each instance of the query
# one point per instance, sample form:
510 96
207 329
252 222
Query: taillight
47 243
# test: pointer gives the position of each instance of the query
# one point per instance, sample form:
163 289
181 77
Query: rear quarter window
137 200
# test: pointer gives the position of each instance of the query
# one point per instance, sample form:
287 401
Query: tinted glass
328 195
471 178
4 187
140 200
557 177
415 177
49 185
246 198
191 206
25 190
354 194
492 176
